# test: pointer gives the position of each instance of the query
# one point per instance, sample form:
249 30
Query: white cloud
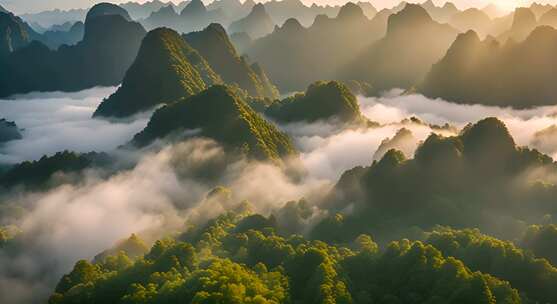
53 122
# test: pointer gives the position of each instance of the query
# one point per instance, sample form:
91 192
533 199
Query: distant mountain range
256 24
414 41
396 48
109 44
489 72
169 67
295 56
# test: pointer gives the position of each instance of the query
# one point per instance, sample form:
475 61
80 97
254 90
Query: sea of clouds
75 222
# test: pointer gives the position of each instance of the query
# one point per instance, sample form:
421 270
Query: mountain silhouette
8 131
414 41
138 11
220 114
403 141
519 74
472 19
193 17
232 9
257 24
214 45
295 56
106 9
108 48
524 22
549 18
13 34
54 38
165 70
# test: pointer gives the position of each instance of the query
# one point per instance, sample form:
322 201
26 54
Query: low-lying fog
76 222
53 122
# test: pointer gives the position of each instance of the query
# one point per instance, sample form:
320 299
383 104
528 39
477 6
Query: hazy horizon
35 6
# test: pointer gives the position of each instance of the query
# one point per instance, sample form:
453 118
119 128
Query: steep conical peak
523 18
350 11
104 9
450 6
488 135
221 114
166 69
466 39
292 25
320 20
428 4
212 42
411 16
167 10
12 34
194 7
217 29
258 10
541 35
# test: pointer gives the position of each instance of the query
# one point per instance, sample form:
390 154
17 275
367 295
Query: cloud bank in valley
162 191
522 124
53 122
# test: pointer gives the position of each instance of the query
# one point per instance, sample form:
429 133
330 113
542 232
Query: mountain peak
166 68
167 10
428 4
541 35
105 9
410 16
194 7
450 6
321 101
220 114
350 11
549 17
292 25
488 139
216 28
215 45
258 9
523 18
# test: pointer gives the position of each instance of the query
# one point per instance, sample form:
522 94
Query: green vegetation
322 101
542 241
535 277
235 259
41 173
165 70
214 45
13 35
221 114
477 179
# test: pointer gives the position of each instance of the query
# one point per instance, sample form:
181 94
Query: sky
25 6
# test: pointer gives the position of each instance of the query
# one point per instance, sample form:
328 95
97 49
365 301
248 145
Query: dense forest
278 152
